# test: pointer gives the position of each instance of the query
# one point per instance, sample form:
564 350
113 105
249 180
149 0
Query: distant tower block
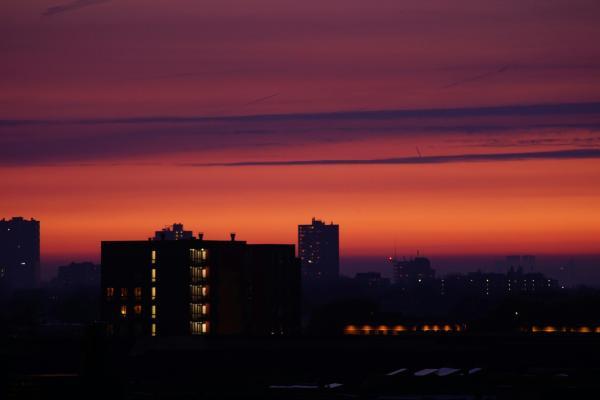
19 254
319 250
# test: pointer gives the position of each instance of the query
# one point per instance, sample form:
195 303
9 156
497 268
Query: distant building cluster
179 284
417 274
497 284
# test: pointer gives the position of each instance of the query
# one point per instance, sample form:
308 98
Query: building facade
414 272
199 287
19 254
319 250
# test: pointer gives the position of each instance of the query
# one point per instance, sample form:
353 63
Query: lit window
110 292
204 309
204 273
124 293
198 292
195 274
153 275
195 311
138 293
153 293
198 328
123 310
153 329
197 256
153 256
153 311
195 328
137 309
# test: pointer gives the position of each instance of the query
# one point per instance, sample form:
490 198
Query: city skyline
572 270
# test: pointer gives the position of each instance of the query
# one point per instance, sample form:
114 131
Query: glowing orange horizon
477 208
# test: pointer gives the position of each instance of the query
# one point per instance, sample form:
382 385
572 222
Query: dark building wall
275 291
19 254
319 250
77 276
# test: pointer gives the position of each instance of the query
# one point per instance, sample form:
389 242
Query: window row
198 256
198 328
198 311
198 292
123 293
137 309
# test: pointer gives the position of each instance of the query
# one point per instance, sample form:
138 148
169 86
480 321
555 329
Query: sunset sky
452 127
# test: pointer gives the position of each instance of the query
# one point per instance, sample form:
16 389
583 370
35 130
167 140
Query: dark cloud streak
498 111
72 6
444 159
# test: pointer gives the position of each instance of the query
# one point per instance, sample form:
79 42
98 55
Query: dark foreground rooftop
417 365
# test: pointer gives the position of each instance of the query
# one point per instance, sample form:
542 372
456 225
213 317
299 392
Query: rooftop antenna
418 151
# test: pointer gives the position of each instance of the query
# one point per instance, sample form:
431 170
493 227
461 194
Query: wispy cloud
261 99
72 6
456 158
477 77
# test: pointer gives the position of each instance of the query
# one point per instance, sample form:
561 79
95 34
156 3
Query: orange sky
532 206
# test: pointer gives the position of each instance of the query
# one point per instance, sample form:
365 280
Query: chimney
232 234
200 235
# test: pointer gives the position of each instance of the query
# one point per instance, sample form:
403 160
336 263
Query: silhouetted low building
85 275
200 287
372 280
413 273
